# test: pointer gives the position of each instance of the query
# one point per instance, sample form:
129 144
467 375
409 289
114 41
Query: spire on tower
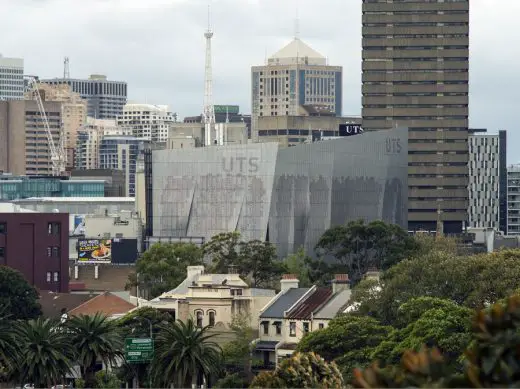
66 71
297 23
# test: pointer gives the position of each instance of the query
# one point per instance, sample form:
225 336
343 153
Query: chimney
340 282
194 271
289 281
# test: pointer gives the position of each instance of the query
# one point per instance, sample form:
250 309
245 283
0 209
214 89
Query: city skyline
158 48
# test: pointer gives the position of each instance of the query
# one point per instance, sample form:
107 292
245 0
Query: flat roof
77 199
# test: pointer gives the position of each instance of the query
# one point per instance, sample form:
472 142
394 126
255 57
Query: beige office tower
415 75
74 114
295 76
24 145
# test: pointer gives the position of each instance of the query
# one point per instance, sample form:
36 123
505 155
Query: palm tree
95 338
45 353
8 349
183 353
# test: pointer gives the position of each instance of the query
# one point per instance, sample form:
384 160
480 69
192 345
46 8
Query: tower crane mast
57 152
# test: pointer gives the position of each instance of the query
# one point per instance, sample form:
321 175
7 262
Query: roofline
300 300
271 302
95 297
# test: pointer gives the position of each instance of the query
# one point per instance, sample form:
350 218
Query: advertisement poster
95 250
79 225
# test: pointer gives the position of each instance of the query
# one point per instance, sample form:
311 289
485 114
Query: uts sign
240 165
350 129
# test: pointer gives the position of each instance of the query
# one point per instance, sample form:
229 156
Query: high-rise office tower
11 78
294 76
106 98
415 75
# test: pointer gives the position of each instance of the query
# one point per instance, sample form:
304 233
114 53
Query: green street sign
138 350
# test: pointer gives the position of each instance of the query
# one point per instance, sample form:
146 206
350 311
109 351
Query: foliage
254 260
431 322
349 340
136 323
301 370
79 383
473 281
182 353
107 380
234 380
45 353
95 338
8 341
18 299
297 263
237 352
164 266
358 246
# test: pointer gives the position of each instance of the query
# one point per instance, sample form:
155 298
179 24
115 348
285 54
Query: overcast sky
158 46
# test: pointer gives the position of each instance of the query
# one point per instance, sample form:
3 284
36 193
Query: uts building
287 196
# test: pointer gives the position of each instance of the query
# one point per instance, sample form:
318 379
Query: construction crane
57 152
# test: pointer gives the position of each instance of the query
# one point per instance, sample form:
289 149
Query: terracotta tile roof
106 303
52 303
305 309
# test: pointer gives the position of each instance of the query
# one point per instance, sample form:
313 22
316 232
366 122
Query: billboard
94 250
348 129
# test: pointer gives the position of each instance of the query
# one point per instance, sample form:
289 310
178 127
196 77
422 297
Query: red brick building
37 245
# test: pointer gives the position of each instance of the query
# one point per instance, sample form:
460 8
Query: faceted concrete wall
289 195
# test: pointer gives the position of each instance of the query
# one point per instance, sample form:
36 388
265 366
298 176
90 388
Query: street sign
138 350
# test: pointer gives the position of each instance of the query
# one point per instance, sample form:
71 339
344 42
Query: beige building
189 135
74 114
147 121
294 76
291 130
294 312
24 145
415 75
213 299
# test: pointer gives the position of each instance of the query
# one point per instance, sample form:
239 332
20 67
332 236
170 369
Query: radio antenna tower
208 115
66 71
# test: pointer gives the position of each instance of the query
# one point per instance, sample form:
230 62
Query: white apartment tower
513 200
294 76
484 181
11 78
147 121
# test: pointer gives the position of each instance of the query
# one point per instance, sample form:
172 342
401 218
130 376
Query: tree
358 246
164 266
254 260
473 281
183 353
297 263
95 338
17 297
45 353
301 370
236 354
348 340
8 342
106 380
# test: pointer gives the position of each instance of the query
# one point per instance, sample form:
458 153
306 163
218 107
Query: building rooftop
297 51
334 305
76 199
283 302
304 310
13 208
144 107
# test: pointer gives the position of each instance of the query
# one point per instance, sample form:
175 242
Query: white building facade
484 181
147 121
513 200
11 78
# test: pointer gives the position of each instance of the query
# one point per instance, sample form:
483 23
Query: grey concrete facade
415 75
288 196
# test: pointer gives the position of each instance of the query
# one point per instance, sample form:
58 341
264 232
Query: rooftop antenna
208 115
297 23
66 71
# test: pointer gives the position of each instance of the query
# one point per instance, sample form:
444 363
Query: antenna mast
208 115
66 71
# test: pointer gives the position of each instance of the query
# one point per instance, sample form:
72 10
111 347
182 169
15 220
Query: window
56 276
278 326
321 326
265 324
49 275
212 318
292 329
56 252
199 318
2 253
305 328
3 228
49 251
54 228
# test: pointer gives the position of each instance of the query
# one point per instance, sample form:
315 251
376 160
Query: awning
277 323
265 345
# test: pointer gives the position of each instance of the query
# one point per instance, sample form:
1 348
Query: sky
158 48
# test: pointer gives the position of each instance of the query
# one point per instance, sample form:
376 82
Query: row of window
53 228
292 327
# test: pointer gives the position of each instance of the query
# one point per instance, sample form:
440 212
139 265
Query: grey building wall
289 196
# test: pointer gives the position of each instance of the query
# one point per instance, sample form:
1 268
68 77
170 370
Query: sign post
138 350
